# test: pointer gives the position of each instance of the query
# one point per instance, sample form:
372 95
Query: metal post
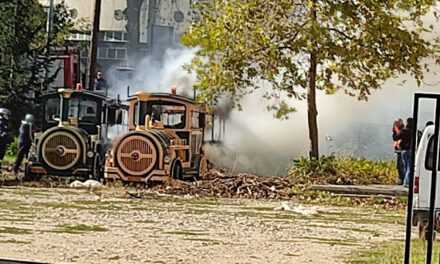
60 123
411 183
94 43
433 186
49 27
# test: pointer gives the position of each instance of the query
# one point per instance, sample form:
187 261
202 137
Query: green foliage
343 170
392 253
356 46
23 49
12 148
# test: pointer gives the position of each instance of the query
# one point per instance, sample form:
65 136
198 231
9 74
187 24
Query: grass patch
21 219
31 192
79 229
343 170
187 233
392 253
11 204
57 205
14 241
205 240
146 222
353 229
14 230
327 241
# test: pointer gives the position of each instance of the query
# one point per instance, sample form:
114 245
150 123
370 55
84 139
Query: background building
129 29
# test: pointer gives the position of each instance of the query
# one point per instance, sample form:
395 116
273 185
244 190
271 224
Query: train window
172 116
195 120
140 111
83 110
52 109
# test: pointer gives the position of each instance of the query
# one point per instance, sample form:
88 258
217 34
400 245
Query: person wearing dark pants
404 142
25 141
397 128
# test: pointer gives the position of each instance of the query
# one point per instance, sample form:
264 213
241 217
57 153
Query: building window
102 53
112 53
115 36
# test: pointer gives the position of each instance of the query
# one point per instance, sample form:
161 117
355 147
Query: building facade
129 29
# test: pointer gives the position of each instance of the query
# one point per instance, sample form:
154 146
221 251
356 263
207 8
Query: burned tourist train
73 141
165 139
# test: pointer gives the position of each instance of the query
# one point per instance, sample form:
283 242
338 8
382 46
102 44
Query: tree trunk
311 96
311 106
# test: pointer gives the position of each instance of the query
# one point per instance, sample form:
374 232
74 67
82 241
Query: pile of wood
218 184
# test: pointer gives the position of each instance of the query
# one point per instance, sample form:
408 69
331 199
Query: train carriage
165 139
74 138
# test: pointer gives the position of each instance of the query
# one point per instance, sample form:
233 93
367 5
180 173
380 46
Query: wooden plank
391 190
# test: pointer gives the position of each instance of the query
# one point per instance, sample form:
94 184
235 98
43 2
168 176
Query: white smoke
257 142
155 76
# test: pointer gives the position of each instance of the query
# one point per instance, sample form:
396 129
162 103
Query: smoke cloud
156 76
256 142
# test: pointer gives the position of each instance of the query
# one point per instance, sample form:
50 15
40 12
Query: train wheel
176 170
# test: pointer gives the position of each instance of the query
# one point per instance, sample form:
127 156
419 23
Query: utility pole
49 27
133 28
94 43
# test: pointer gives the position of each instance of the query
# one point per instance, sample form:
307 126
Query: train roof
82 91
145 95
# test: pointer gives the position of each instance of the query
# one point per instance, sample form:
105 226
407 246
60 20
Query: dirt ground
77 226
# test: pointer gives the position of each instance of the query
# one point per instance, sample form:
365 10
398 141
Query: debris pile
243 185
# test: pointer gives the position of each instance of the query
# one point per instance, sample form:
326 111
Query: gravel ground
77 226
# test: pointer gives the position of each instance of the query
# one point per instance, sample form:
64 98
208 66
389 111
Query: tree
300 46
23 47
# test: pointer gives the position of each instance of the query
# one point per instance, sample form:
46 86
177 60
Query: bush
343 170
12 148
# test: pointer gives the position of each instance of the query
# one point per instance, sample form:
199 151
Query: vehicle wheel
97 170
176 170
423 230
202 168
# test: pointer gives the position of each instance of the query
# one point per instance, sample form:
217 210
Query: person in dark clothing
5 138
100 83
397 127
24 140
404 143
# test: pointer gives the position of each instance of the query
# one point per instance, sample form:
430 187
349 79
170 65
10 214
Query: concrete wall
84 11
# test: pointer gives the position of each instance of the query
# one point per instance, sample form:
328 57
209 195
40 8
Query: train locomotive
165 139
74 138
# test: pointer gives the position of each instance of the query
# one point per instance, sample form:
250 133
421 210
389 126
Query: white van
422 182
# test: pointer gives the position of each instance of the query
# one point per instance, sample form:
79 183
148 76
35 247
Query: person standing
24 140
100 83
5 138
397 128
404 142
